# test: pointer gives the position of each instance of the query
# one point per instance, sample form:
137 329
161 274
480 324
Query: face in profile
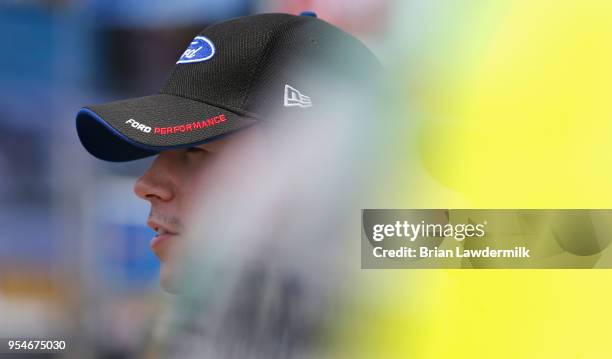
171 185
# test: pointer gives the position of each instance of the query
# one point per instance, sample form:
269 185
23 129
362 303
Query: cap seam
256 69
215 104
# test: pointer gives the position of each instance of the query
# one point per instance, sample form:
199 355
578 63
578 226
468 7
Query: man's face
170 186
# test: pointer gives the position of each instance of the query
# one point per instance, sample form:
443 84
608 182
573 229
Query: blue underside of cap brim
105 142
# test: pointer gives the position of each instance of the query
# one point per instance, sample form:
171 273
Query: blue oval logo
200 49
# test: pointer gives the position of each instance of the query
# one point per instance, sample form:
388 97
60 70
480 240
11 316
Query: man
233 77
253 108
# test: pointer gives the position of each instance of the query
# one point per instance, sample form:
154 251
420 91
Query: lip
160 244
159 239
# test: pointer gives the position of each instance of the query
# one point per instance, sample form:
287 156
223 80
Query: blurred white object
276 233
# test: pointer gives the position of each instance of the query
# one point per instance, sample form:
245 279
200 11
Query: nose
155 184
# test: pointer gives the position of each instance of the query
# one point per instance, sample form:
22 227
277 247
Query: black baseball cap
233 75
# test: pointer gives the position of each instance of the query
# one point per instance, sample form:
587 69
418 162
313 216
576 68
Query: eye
194 149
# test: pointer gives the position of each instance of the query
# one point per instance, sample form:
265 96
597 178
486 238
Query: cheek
195 180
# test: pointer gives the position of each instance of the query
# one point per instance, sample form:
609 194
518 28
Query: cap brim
141 127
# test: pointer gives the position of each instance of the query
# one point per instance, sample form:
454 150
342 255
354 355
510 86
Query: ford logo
200 49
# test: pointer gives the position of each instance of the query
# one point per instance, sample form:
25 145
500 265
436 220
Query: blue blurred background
74 249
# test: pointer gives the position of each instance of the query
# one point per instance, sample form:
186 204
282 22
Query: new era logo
294 97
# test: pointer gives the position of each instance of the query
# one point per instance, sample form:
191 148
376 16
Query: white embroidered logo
139 126
293 97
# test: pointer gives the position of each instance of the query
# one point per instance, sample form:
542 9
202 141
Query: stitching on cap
247 90
215 104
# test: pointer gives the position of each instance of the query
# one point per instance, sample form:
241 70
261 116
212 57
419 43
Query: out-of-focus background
74 249
501 104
